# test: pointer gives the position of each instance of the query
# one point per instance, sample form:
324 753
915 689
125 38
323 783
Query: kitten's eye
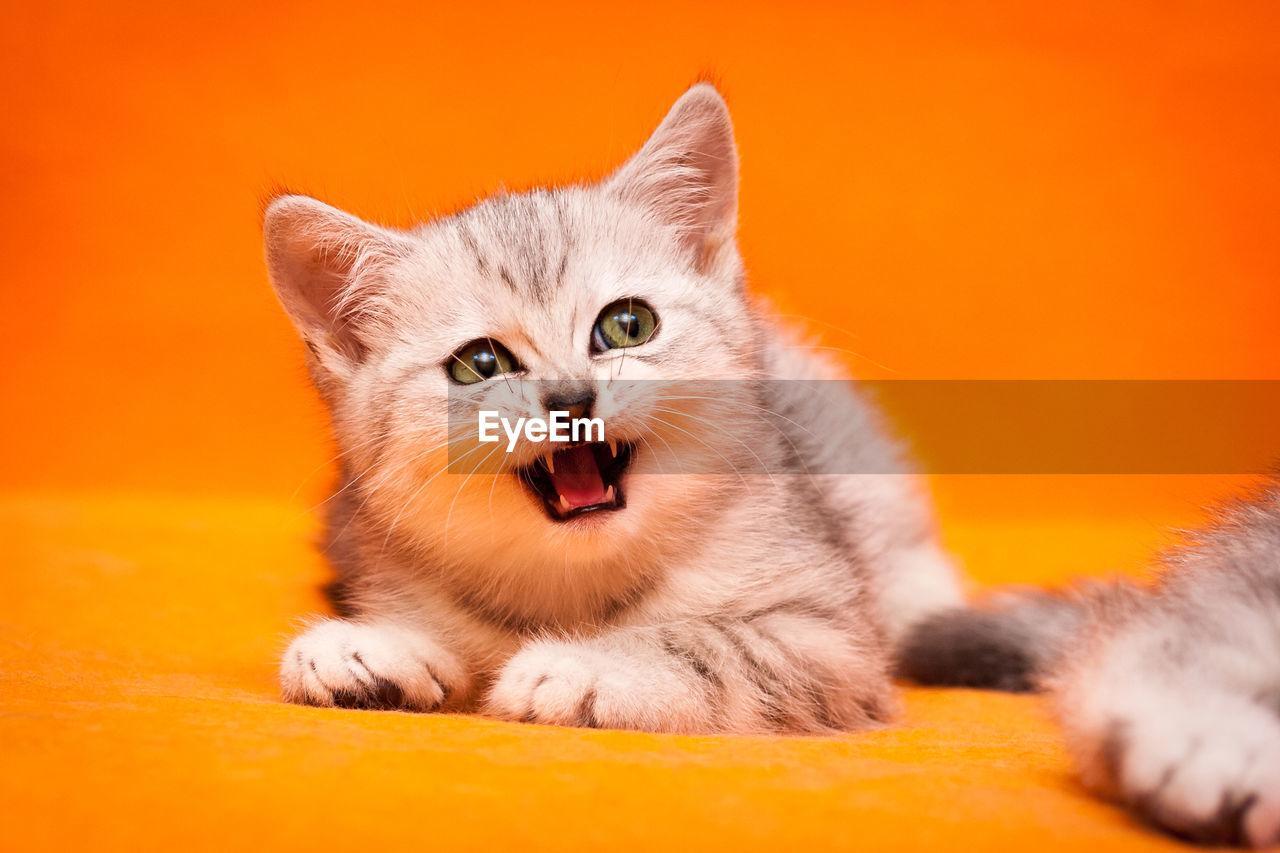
480 360
625 323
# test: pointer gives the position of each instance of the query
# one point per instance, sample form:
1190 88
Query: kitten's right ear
322 263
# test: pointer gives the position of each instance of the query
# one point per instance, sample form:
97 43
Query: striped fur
1169 696
713 602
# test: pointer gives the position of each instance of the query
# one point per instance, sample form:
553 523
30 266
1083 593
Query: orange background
949 189
959 190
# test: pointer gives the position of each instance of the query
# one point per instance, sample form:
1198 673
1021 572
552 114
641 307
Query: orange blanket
138 709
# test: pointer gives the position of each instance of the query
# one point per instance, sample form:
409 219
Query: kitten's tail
1007 641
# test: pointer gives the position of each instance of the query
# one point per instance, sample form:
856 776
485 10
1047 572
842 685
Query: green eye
480 360
625 323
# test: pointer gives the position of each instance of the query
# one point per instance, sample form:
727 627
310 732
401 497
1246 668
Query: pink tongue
577 477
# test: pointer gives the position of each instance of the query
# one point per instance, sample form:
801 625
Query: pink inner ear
687 173
312 253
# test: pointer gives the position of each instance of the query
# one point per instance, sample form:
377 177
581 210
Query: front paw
1206 773
579 684
343 664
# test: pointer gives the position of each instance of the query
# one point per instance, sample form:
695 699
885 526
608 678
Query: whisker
763 467
666 397
391 528
844 350
458 493
782 432
704 444
655 455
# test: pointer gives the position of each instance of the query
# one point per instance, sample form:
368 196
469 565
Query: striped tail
1005 642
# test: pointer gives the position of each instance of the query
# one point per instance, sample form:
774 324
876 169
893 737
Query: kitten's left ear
687 175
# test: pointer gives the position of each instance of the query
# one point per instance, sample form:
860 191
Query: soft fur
716 601
1169 696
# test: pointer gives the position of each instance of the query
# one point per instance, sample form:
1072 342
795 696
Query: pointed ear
687 174
322 262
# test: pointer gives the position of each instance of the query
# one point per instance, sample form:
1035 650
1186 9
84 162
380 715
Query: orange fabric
138 708
975 189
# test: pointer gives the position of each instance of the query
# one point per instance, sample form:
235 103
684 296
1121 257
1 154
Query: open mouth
579 479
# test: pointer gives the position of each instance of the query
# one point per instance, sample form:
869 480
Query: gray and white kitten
1170 696
619 594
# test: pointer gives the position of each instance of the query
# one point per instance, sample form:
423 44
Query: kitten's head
525 303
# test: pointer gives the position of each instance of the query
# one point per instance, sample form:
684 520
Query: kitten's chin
580 485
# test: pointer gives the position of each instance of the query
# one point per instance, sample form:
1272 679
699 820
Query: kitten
598 585
1169 697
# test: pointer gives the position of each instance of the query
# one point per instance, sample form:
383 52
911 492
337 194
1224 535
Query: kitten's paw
1207 773
573 684
351 665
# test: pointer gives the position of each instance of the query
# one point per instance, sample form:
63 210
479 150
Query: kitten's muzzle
580 479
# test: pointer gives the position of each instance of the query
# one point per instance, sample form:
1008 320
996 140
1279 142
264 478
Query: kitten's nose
576 401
